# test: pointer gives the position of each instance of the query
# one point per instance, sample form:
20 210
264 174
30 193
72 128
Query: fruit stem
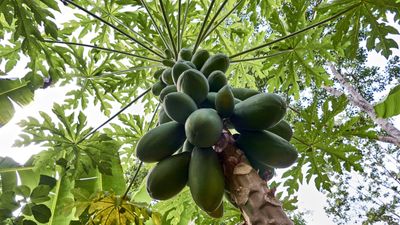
295 33
114 27
103 49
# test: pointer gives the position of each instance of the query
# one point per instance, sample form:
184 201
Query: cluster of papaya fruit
197 104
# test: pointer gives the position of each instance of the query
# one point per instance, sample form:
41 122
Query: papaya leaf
41 213
390 106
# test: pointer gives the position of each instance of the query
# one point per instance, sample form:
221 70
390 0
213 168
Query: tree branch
356 99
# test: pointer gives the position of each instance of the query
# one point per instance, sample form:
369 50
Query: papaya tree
226 93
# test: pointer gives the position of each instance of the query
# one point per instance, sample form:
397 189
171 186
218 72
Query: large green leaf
391 105
16 91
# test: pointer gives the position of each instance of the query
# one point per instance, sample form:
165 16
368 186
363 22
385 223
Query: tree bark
247 190
356 99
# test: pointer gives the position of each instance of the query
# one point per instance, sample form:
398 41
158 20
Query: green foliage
391 105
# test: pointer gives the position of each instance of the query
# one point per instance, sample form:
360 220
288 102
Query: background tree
109 51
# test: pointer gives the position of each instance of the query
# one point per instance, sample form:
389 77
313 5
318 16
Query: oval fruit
168 89
158 143
166 76
216 62
189 63
163 117
209 102
169 176
218 213
258 112
185 54
224 102
200 57
178 69
168 62
268 148
157 88
244 93
264 171
194 84
283 130
158 73
203 127
206 179
217 80
179 106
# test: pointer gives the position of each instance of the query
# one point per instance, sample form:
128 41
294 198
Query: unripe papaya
187 146
218 213
168 54
224 102
163 117
168 62
258 112
185 54
179 106
209 102
168 89
282 129
244 93
169 176
158 73
157 88
216 62
200 57
206 179
203 127
189 63
194 84
264 171
158 143
178 69
217 80
268 148
167 76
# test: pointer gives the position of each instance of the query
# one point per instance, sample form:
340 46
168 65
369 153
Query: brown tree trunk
247 190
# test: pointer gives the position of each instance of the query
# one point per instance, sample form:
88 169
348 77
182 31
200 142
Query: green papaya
179 106
218 213
244 93
157 88
206 179
217 80
209 102
203 127
168 89
224 102
216 62
178 69
158 143
264 171
283 130
169 176
268 148
187 146
158 73
200 57
168 54
194 84
166 76
185 54
163 117
189 63
258 112
168 62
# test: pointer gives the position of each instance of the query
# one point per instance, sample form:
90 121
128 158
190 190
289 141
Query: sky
310 199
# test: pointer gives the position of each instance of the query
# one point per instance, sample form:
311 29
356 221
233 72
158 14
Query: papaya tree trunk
247 190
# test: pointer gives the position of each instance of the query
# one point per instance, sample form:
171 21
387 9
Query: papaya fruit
166 76
209 102
168 89
268 148
218 213
203 127
206 179
283 130
168 54
187 146
168 62
179 106
216 62
258 112
217 80
224 102
158 143
163 117
157 88
178 69
194 84
158 73
244 93
169 176
189 63
200 57
264 171
185 54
